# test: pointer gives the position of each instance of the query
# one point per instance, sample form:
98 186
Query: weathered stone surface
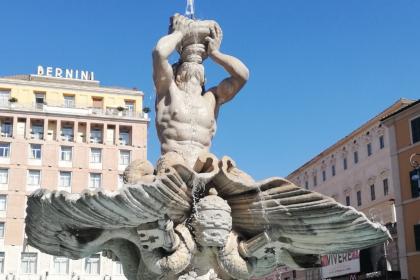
279 222
139 171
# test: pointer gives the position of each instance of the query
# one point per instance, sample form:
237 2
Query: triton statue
195 216
186 112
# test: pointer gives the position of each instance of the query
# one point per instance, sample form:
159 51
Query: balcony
6 134
67 109
36 135
6 130
67 137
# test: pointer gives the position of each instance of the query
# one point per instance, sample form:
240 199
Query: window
34 177
4 97
95 155
386 188
6 129
381 142
324 175
96 135
347 200
35 151
69 101
356 157
97 102
129 107
315 181
4 175
61 265
92 264
29 263
306 185
372 192
124 138
66 153
333 170
345 163
369 149
1 262
4 150
1 229
65 179
118 269
417 236
39 99
359 198
415 182
37 131
124 157
3 202
95 180
415 130
67 133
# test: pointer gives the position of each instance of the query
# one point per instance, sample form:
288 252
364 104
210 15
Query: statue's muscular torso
186 123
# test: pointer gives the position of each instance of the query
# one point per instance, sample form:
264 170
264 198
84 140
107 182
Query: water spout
189 10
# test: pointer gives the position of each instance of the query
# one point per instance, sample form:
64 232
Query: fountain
195 216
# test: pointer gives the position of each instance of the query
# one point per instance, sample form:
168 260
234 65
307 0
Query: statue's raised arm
163 75
229 87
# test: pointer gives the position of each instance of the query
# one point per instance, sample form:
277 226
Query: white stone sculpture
195 216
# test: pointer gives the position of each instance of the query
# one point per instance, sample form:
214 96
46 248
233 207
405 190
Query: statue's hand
214 40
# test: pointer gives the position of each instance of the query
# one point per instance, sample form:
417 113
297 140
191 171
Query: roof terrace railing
73 110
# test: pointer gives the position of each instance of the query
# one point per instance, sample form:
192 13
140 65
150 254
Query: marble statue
185 111
195 216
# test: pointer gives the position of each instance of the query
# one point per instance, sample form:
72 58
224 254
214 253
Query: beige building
356 171
404 139
61 133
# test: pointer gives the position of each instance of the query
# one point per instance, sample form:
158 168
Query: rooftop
50 81
400 110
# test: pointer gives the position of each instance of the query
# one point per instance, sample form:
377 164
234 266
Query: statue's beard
190 87
190 77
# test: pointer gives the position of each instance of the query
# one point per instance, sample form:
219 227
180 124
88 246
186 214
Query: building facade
356 171
66 134
404 139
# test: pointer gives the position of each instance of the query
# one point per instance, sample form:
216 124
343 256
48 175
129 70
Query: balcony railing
67 137
37 135
63 109
6 134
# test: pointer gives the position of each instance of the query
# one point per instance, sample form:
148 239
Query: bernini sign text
57 72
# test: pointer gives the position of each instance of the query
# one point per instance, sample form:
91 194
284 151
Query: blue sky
319 68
